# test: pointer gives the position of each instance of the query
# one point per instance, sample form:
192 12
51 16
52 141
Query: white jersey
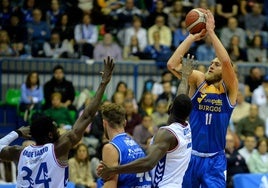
38 168
169 171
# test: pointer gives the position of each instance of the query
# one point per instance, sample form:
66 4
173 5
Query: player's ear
50 135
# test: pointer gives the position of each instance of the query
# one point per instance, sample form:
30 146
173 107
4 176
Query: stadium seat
73 115
13 96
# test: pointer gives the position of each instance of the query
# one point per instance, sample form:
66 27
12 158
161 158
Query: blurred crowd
134 30
128 29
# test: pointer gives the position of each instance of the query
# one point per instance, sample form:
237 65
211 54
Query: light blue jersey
209 118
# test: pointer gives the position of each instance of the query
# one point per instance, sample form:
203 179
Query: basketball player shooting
213 96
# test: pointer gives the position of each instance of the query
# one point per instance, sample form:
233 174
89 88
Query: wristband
18 132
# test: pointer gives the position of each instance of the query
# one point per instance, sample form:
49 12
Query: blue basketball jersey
209 118
129 151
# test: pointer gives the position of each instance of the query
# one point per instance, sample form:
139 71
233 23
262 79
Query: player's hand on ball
210 22
201 35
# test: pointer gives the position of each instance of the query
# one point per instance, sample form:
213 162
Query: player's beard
212 78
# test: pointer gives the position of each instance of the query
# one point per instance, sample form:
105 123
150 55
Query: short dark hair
180 108
40 128
58 67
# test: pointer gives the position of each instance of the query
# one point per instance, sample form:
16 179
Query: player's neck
115 132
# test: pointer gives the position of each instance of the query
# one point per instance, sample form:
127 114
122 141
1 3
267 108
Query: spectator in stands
180 35
259 132
121 87
164 31
224 11
157 87
107 47
246 5
131 96
242 108
158 11
119 94
56 48
133 51
5 13
80 171
58 83
136 29
256 52
132 117
158 51
32 94
254 21
118 97
206 51
5 46
252 81
237 54
143 131
126 14
17 33
59 113
167 94
175 15
86 36
26 11
263 113
207 4
53 15
227 32
258 161
65 28
248 123
160 115
249 144
146 104
260 94
240 77
236 164
38 33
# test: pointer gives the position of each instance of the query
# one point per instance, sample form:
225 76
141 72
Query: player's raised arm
186 71
90 111
228 74
71 138
174 62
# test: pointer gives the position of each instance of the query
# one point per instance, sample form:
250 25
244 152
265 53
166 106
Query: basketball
195 20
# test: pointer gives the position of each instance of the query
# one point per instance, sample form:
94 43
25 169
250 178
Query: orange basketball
195 20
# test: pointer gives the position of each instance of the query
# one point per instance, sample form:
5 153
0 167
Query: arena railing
85 73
